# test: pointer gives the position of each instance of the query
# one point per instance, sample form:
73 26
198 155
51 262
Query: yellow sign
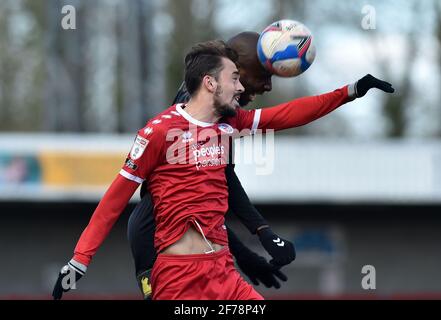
84 169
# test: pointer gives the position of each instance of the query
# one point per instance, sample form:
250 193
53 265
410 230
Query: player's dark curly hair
205 58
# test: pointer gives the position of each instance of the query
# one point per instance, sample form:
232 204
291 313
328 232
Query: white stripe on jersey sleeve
78 267
256 121
352 90
130 176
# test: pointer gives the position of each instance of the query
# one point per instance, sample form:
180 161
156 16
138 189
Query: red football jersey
183 161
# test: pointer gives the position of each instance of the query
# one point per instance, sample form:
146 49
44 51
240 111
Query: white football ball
286 48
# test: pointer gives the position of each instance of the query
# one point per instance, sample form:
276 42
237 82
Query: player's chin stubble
222 109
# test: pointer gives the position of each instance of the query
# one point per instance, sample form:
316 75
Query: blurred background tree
437 11
124 61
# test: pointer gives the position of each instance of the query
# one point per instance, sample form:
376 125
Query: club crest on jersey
186 137
138 147
224 127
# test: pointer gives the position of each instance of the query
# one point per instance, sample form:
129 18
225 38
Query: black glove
258 269
368 82
145 284
66 281
282 251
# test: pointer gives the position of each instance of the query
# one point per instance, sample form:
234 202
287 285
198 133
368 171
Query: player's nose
240 87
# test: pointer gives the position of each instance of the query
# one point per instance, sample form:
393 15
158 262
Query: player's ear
210 83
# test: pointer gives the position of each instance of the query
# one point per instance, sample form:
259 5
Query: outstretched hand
363 85
281 250
67 279
259 270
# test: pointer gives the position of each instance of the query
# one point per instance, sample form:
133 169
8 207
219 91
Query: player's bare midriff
191 242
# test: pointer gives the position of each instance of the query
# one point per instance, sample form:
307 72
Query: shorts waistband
199 256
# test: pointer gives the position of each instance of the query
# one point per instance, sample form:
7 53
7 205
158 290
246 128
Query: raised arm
304 110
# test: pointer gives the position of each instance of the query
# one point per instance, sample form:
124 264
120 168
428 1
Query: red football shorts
199 277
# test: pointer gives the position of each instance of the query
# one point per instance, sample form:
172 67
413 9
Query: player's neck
197 108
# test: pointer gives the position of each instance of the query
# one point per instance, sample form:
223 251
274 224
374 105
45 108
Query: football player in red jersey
141 225
189 193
